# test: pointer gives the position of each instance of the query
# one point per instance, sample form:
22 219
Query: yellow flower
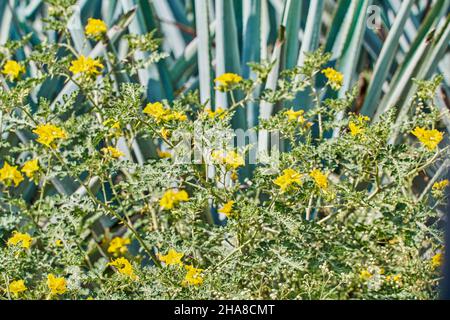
124 267
439 186
58 243
175 116
296 116
165 133
112 152
30 167
47 133
288 178
437 260
234 160
395 278
171 198
118 245
10 174
227 208
227 80
12 69
156 110
355 129
220 113
17 287
429 138
23 238
365 275
56 285
171 258
114 125
335 78
87 66
160 113
229 158
320 179
357 125
164 154
95 28
193 276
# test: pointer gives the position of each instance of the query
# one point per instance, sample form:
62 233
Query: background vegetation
172 50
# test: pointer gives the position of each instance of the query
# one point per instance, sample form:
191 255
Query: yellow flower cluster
124 267
172 197
171 258
437 260
165 133
48 133
295 116
10 174
56 285
162 114
17 287
219 113
112 152
86 66
355 129
227 208
24 239
227 81
394 278
320 179
288 179
429 138
95 28
118 245
193 276
12 69
335 78
365 275
441 185
231 159
357 126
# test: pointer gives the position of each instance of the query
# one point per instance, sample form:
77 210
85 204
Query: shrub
340 211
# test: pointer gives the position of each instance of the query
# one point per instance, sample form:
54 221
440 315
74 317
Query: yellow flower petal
429 138
48 133
86 66
171 258
335 78
172 197
12 69
287 179
95 28
30 168
17 287
56 285
227 208
10 174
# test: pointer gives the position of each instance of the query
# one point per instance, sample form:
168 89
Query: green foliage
341 212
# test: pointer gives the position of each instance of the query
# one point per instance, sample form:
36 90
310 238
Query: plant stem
112 212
